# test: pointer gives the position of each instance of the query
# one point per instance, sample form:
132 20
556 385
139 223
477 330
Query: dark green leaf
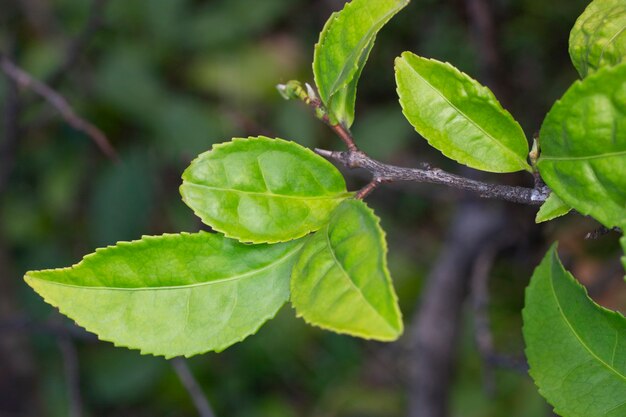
575 348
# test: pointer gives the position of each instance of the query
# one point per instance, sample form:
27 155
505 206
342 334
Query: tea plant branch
25 80
389 173
193 388
294 90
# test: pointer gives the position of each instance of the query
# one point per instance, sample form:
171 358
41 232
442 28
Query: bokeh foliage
165 79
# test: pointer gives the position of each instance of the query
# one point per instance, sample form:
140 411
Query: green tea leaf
598 38
552 208
173 295
343 49
341 282
583 146
262 190
575 348
458 116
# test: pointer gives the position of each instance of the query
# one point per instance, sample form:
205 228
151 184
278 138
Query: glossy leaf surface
598 38
458 116
173 295
575 348
342 51
341 282
552 208
262 190
583 146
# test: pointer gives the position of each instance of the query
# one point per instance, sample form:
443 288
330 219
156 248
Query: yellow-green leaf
262 190
552 208
598 39
583 146
458 116
173 295
343 49
341 282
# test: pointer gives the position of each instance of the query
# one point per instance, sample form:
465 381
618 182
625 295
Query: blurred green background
166 79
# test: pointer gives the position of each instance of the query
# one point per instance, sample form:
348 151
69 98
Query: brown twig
25 80
193 388
427 174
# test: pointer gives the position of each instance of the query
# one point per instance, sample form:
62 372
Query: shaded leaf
458 116
262 189
341 282
583 146
552 208
598 38
172 295
342 51
575 348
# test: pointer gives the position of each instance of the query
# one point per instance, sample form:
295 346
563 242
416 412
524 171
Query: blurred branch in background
435 327
482 324
56 100
72 375
193 388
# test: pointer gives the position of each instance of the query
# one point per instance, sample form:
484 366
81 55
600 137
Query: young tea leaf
262 190
583 146
342 51
458 116
598 38
341 282
552 208
173 295
575 348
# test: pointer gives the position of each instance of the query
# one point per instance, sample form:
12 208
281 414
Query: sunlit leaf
552 208
598 38
342 51
341 282
173 295
262 189
583 146
458 116
575 348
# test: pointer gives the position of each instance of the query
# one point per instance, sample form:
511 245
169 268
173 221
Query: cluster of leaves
289 229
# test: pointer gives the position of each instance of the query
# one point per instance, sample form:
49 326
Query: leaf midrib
469 119
569 325
337 196
279 261
581 158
